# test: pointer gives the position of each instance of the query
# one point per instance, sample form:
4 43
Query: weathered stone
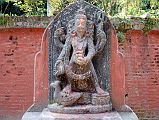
47 115
77 40
85 99
80 109
77 72
100 99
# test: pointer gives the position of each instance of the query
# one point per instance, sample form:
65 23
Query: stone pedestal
47 115
113 115
80 109
98 99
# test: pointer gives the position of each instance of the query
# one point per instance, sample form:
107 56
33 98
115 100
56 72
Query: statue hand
59 68
82 61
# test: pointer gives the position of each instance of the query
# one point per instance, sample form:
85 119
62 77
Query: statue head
80 21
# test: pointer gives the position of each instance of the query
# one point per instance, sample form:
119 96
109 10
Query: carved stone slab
101 61
80 109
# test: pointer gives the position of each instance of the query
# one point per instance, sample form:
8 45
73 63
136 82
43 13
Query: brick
17 50
142 74
18 47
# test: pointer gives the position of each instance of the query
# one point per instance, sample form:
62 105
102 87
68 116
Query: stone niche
86 76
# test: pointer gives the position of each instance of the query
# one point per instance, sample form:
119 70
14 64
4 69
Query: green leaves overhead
31 7
119 8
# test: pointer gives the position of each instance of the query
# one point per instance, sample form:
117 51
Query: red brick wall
17 51
142 73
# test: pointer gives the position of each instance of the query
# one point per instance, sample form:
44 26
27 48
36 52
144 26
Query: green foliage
57 5
2 1
121 37
3 21
149 24
31 7
119 8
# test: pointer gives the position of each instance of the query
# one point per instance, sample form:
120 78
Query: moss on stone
3 21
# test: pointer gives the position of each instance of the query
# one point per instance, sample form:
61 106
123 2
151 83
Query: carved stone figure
76 79
84 66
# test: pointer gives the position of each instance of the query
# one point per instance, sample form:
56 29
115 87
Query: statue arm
57 37
63 59
65 53
101 41
91 50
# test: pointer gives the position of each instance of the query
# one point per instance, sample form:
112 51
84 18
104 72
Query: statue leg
67 89
95 80
57 89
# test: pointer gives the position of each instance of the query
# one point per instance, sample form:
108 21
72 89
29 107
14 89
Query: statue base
47 115
80 109
113 115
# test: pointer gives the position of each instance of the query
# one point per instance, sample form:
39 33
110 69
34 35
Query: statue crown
81 14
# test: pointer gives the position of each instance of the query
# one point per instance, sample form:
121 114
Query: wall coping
120 24
24 22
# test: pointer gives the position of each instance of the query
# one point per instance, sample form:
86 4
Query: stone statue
84 66
76 80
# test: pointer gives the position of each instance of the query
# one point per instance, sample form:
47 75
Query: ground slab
47 115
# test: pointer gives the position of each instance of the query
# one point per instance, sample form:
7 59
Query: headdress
81 14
